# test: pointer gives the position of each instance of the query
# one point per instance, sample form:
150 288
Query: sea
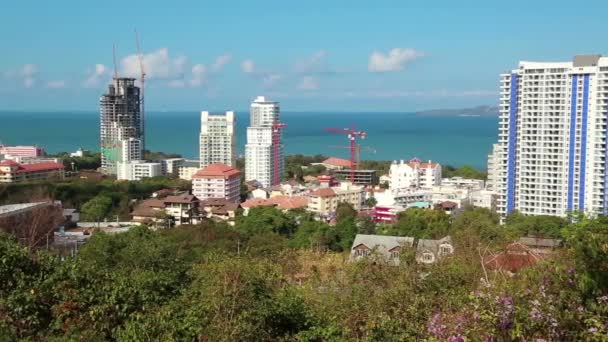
447 139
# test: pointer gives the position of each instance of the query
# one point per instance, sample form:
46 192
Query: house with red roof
12 172
217 181
333 163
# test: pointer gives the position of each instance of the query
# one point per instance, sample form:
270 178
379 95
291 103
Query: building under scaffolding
121 124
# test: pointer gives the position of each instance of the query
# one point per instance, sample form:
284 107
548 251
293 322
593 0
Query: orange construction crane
352 135
142 79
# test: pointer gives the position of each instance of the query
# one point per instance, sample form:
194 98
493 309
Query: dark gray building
121 124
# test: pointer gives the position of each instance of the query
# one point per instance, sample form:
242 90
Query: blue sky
310 55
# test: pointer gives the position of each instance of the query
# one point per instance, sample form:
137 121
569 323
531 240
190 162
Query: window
428 257
395 254
445 249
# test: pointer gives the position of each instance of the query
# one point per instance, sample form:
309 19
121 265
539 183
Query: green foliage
213 282
466 171
541 226
589 242
97 208
420 223
89 161
263 220
149 155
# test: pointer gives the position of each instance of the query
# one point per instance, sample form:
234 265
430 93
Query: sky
314 55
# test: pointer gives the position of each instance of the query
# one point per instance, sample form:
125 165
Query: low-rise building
170 166
334 163
361 177
380 248
11 171
324 201
22 151
282 202
414 174
167 212
33 224
188 168
217 181
136 170
460 182
515 257
219 209
430 251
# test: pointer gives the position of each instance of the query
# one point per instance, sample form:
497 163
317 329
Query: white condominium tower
259 150
217 139
550 158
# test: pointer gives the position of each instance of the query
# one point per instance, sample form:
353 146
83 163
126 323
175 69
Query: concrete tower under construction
121 124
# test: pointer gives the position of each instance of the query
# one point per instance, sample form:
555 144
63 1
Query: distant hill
475 111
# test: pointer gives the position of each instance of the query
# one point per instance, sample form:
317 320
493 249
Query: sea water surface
453 140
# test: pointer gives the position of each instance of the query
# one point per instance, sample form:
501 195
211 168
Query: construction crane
352 135
142 79
277 126
359 149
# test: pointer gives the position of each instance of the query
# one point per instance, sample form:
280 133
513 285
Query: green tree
421 223
262 220
97 208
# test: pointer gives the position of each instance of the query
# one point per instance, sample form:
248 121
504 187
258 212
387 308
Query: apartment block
217 141
550 158
217 181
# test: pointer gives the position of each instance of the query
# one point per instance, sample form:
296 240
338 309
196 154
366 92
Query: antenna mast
114 60
143 87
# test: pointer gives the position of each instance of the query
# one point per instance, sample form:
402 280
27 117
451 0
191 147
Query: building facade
217 181
259 150
324 201
551 154
121 124
22 151
136 170
414 174
12 172
217 143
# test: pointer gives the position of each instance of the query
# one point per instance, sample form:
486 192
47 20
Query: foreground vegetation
277 276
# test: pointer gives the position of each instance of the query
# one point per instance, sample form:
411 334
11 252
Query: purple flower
456 338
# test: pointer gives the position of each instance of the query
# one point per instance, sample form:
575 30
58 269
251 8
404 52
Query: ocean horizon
448 139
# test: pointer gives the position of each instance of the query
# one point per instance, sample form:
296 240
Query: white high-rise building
259 150
217 139
551 153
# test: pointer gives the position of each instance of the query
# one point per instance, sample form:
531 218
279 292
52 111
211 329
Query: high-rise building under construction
121 124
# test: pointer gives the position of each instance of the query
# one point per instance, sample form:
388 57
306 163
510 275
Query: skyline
211 56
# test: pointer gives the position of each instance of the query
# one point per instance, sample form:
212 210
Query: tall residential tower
218 139
121 124
260 149
551 154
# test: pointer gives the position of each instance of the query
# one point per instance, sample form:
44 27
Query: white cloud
395 60
158 65
434 93
56 84
25 74
220 62
198 75
95 75
308 83
317 63
267 78
248 66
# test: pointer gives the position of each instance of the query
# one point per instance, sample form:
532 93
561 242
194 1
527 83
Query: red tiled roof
256 202
323 192
337 162
515 257
289 202
417 163
217 171
8 162
25 168
180 199
448 205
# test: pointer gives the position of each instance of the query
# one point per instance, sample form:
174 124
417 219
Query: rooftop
323 192
217 171
337 162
